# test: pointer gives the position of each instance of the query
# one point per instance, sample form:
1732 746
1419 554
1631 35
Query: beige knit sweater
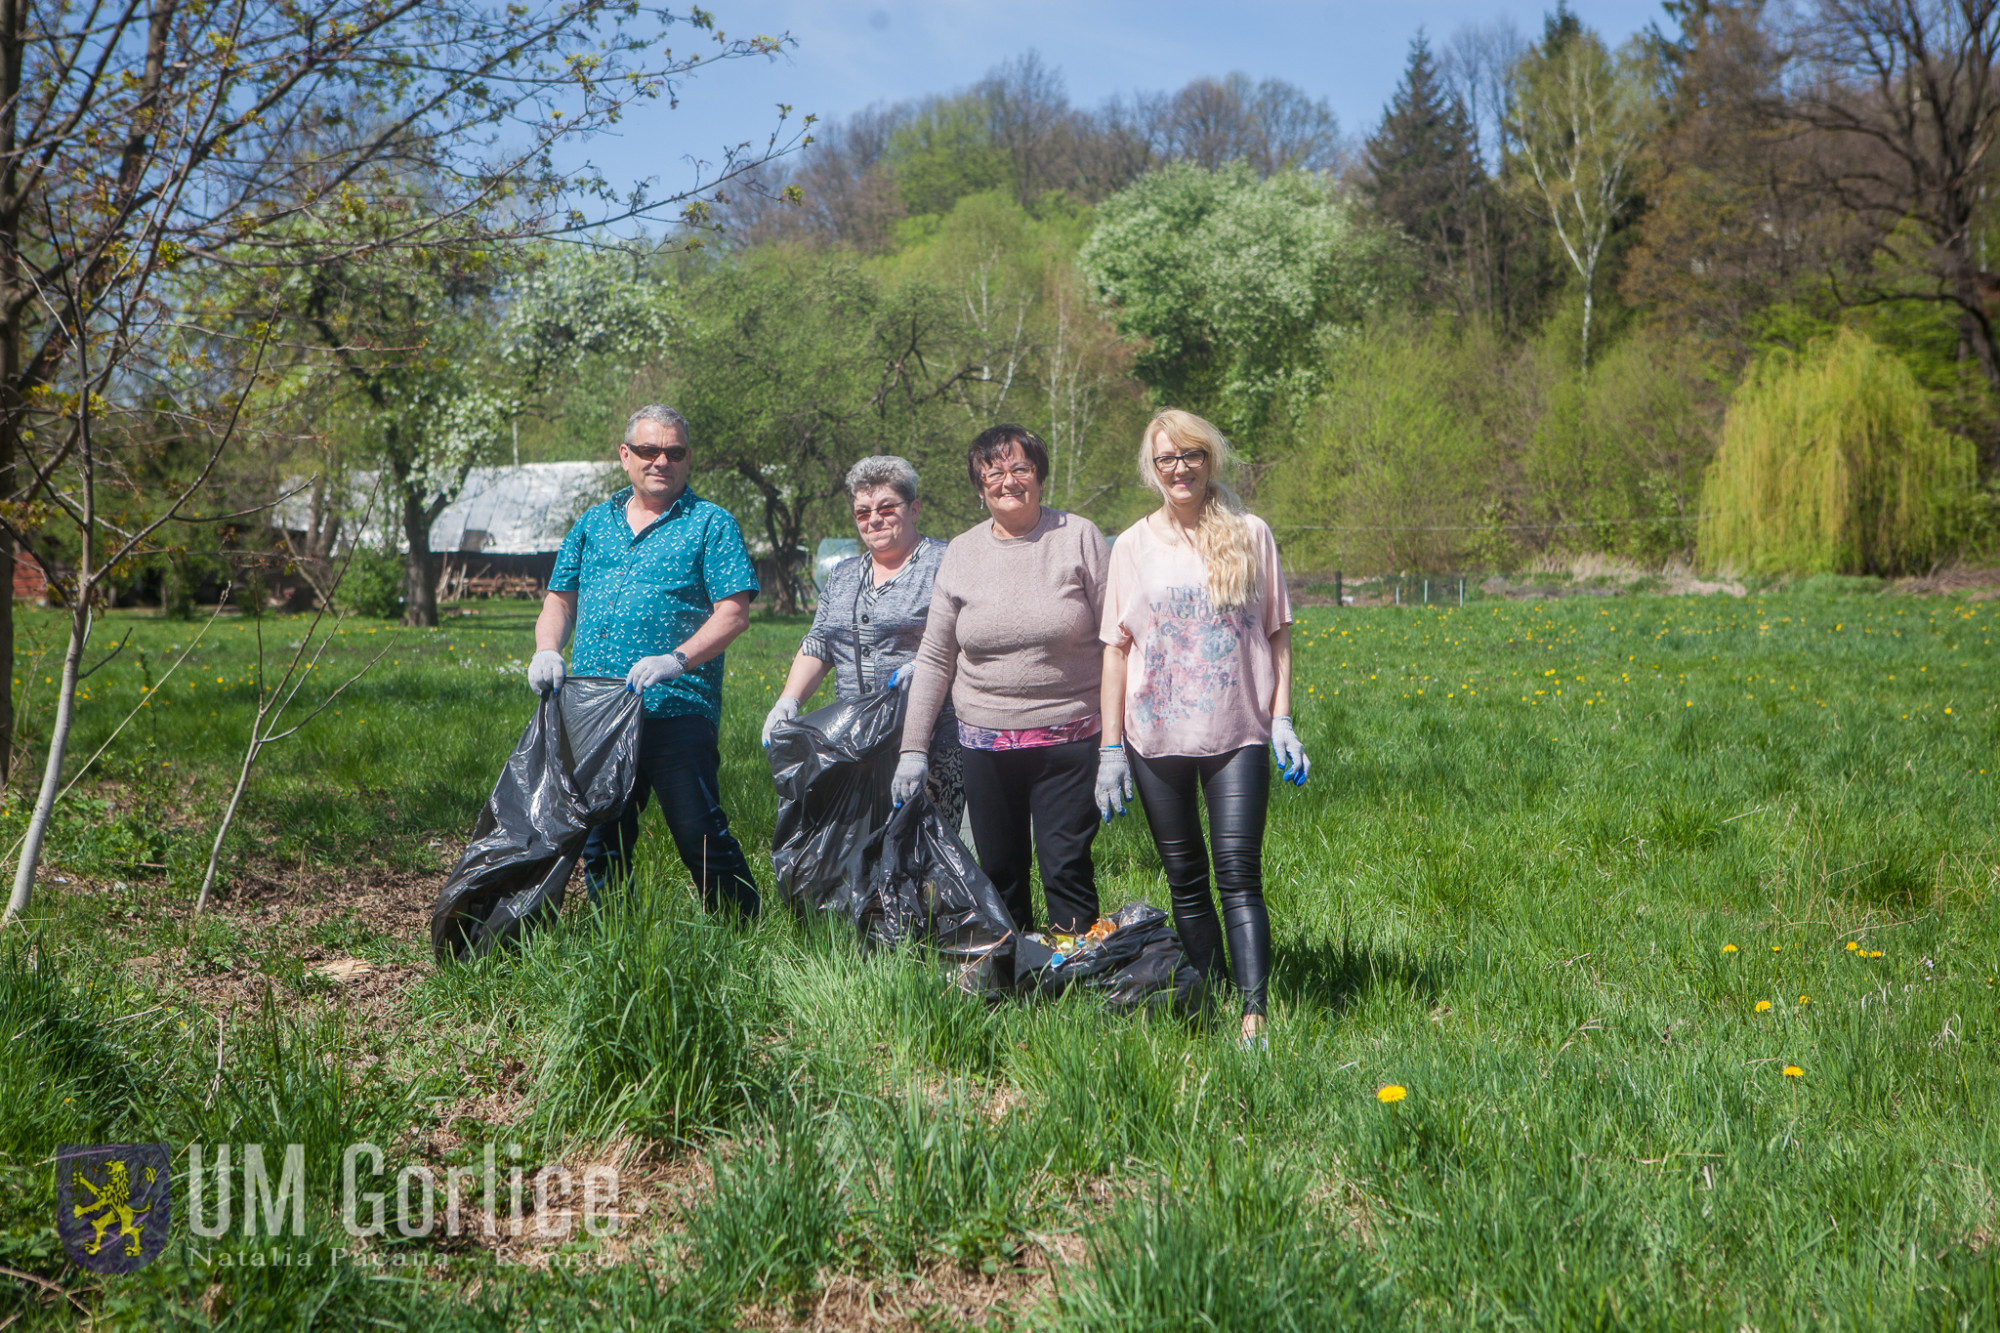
1012 631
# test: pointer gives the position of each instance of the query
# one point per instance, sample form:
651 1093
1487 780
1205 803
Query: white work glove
1114 781
650 671
912 770
1291 755
784 710
545 671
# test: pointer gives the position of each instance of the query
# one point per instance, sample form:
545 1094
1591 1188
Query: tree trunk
420 566
45 800
13 47
1976 327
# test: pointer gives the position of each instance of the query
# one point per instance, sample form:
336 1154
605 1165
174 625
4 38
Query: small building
499 537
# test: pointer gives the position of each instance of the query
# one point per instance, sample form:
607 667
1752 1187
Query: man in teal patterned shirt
656 582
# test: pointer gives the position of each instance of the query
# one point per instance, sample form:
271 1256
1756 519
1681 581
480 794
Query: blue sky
852 53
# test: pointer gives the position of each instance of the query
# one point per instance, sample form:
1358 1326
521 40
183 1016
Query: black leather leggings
1237 786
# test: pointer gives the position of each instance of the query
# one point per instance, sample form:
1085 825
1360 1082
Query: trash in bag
914 881
573 769
832 769
1131 958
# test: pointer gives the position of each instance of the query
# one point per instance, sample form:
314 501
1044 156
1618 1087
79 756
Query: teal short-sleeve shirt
640 595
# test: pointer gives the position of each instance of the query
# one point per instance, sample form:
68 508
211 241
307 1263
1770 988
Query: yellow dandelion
1729 948
1391 1092
1776 947
1853 945
1793 1071
1762 1005
1805 999
1875 953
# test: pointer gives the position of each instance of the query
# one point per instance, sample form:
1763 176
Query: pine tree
1424 173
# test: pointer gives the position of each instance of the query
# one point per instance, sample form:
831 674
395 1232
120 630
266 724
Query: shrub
1831 464
375 585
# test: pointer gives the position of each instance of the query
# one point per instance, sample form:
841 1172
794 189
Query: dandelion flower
1853 945
1391 1092
1875 953
1729 948
1776 947
1805 999
1793 1071
1762 1005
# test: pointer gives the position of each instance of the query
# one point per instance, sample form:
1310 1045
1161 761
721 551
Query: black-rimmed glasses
1193 461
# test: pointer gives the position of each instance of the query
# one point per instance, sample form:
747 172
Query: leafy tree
1424 173
796 363
1037 348
1580 118
440 352
945 152
1236 284
1830 463
1731 226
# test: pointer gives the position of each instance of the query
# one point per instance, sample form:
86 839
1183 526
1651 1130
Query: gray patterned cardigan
866 632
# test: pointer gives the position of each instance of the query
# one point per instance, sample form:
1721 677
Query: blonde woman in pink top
1197 695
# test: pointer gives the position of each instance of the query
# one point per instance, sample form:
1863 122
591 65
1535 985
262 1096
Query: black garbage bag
1140 964
902 876
572 770
913 881
832 769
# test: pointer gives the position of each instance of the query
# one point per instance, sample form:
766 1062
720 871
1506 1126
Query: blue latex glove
1292 759
899 675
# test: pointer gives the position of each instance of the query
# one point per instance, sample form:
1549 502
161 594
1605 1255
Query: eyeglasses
1019 472
885 510
647 453
1193 461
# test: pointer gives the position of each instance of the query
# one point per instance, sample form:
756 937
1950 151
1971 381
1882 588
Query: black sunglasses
674 453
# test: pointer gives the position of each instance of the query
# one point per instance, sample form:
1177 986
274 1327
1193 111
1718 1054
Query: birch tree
1579 118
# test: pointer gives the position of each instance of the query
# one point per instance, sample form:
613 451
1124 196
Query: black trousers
678 762
1047 788
1237 787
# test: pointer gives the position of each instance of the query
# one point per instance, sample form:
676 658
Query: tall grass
1532 837
653 1020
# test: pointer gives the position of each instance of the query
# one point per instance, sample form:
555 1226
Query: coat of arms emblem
114 1204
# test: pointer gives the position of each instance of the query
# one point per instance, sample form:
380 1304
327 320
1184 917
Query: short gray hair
659 414
883 470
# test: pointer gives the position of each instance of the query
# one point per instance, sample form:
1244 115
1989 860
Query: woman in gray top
872 614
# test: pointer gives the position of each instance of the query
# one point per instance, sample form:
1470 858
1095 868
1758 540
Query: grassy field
1673 917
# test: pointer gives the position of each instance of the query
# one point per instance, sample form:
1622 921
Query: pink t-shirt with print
1196 683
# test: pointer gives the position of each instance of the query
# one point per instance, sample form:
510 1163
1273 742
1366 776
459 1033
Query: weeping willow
1830 464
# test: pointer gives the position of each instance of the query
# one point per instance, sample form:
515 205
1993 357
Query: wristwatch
681 657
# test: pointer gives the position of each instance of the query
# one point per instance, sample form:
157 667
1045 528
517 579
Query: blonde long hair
1222 537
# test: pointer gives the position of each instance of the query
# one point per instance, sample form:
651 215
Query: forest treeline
1559 296
1717 294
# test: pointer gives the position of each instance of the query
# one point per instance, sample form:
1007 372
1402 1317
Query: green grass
1532 834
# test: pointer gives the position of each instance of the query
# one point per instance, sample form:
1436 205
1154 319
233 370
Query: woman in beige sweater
1012 638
